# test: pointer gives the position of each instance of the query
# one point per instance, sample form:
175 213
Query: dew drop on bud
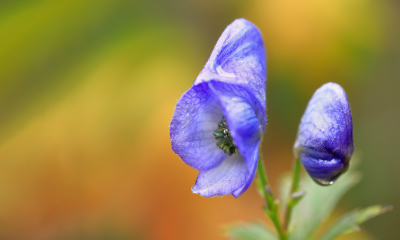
323 182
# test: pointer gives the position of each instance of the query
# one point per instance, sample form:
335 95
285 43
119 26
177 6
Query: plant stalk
292 202
271 209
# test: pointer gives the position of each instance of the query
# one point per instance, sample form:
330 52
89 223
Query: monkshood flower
218 123
325 137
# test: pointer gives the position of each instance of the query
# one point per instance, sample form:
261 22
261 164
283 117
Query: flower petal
239 58
243 115
195 118
250 176
325 170
229 176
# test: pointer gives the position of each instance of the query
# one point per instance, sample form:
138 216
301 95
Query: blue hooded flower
218 123
325 136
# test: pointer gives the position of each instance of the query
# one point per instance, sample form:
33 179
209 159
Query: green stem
272 209
295 187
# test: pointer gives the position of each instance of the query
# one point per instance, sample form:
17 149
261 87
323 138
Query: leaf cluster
311 212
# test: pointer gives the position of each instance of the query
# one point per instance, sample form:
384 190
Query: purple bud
324 141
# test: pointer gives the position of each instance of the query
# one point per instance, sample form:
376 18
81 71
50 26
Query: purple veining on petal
325 137
231 85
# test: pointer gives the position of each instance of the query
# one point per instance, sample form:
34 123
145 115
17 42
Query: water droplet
323 182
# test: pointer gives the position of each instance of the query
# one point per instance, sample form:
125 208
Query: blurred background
88 89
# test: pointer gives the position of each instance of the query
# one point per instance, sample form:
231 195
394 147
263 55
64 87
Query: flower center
225 141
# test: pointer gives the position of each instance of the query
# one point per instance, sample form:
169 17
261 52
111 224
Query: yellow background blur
88 88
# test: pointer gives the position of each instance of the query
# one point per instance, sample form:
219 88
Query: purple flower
218 123
325 137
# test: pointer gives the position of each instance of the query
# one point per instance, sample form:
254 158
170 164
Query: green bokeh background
88 88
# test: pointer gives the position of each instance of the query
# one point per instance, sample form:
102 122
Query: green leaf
253 231
349 223
318 203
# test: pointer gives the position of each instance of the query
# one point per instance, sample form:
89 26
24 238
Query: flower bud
324 141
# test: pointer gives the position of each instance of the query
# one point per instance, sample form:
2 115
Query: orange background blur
88 88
